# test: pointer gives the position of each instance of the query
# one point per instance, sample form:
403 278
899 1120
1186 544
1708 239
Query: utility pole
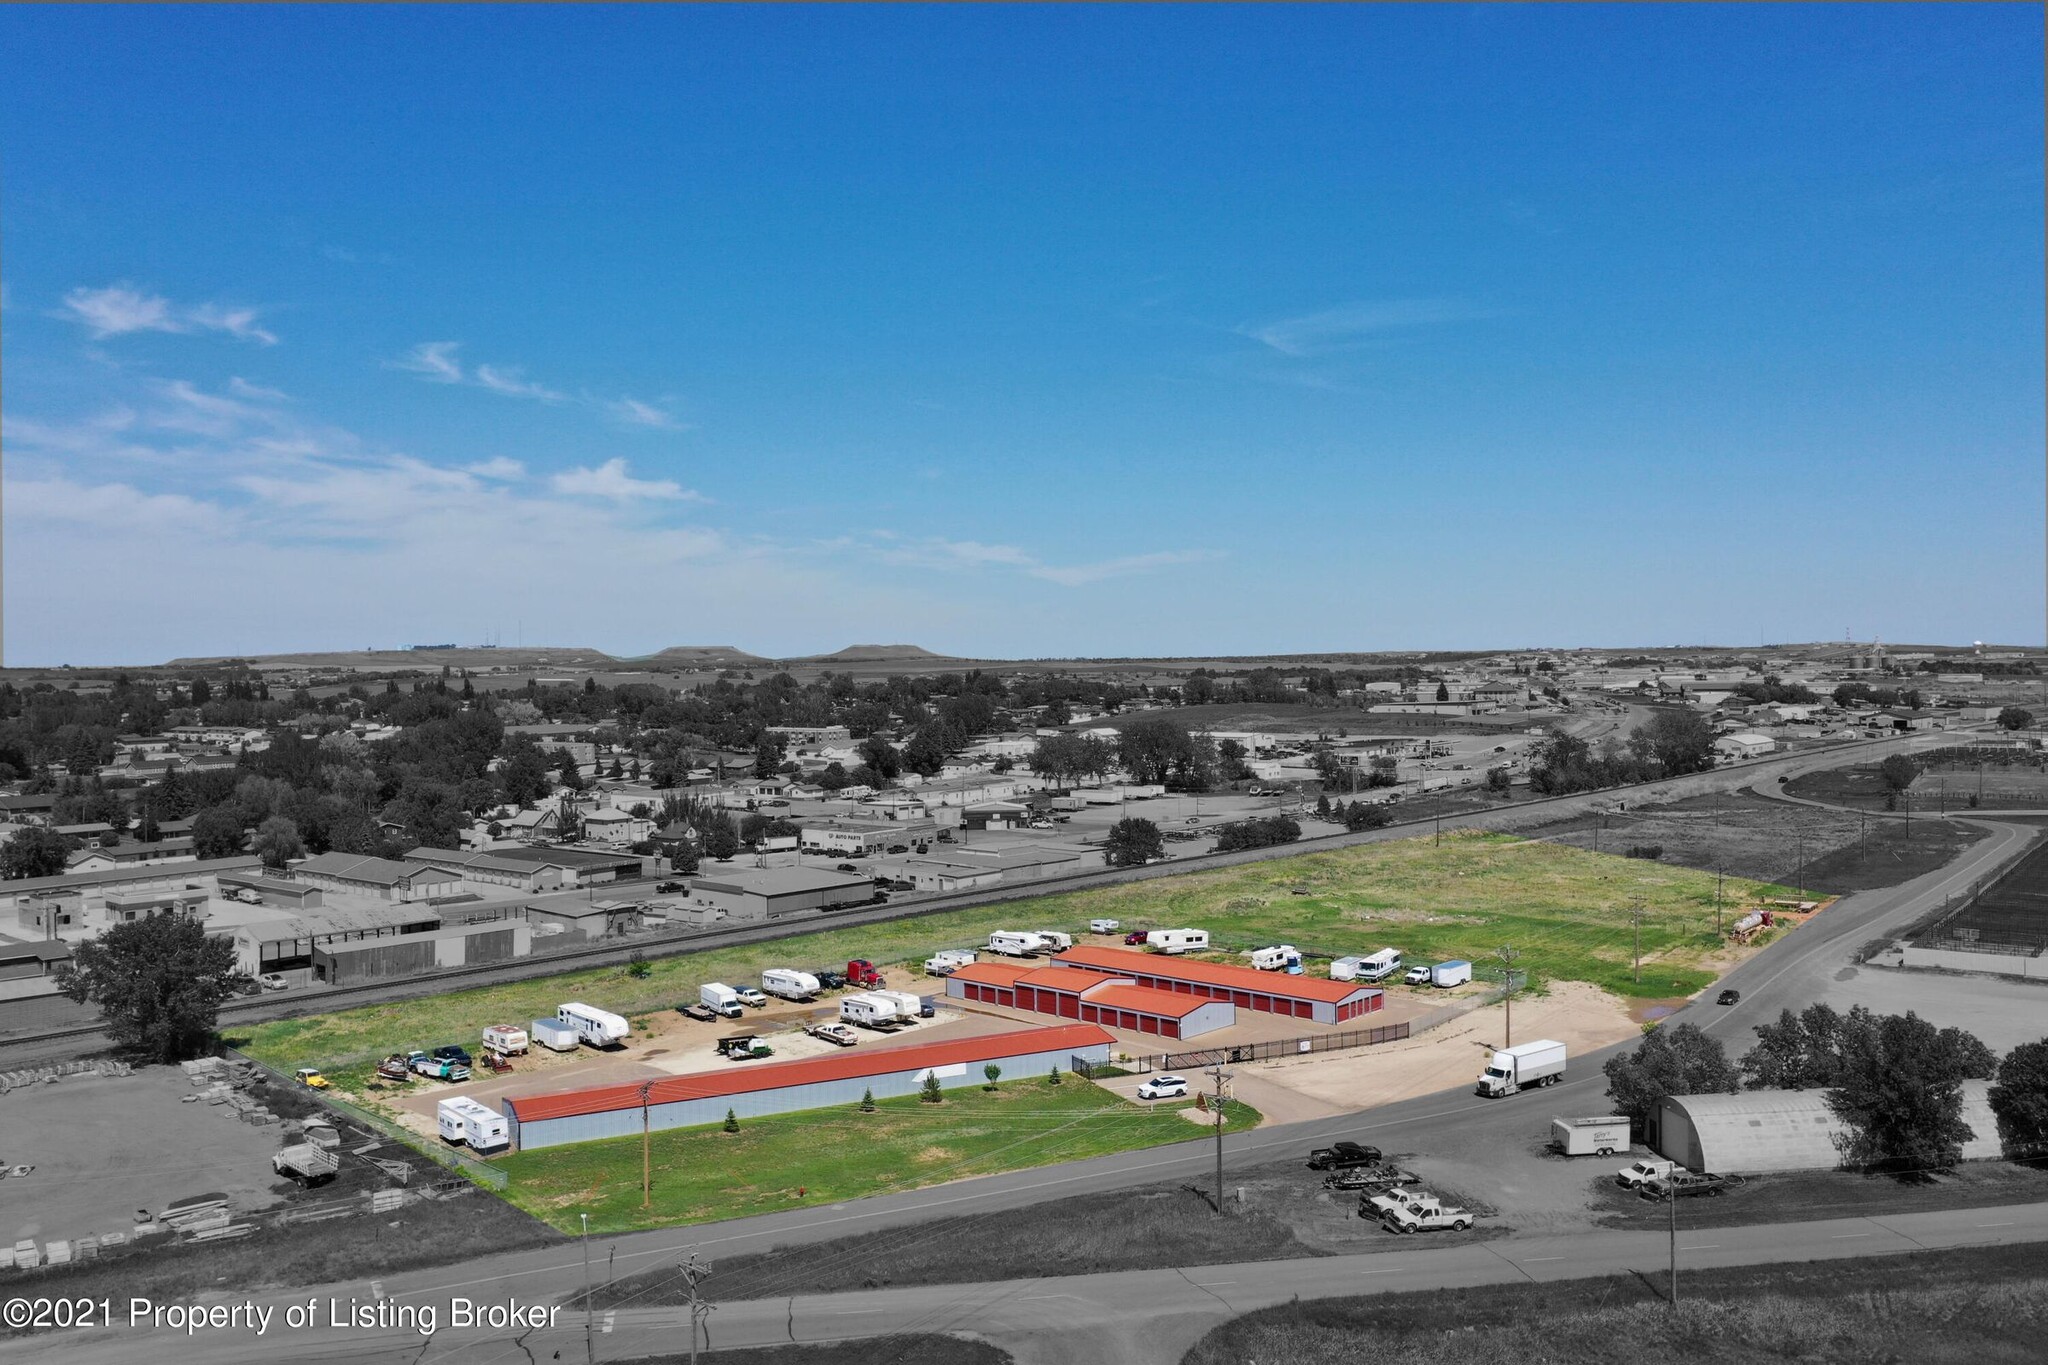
1507 956
646 1152
1671 1198
1717 900
1635 914
1216 1108
1439 830
692 1270
589 1325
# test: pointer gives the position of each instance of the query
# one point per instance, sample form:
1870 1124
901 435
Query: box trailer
1346 968
1173 941
1523 1067
868 1010
555 1035
1590 1137
467 1121
596 1027
505 1038
720 999
1379 966
1447 974
788 984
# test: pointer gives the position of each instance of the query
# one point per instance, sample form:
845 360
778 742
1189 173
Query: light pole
589 1335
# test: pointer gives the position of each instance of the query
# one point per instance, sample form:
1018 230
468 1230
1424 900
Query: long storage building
757 1089
1302 997
1758 1131
1091 998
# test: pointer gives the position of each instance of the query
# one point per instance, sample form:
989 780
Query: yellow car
311 1078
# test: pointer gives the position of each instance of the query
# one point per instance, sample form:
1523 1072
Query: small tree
867 1100
1133 842
1898 772
930 1093
1054 1075
2015 718
732 1121
994 1074
2020 1101
638 967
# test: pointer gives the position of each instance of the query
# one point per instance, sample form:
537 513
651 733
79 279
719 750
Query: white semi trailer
1523 1067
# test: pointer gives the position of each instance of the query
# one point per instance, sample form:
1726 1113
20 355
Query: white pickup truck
1428 1220
1637 1173
1380 1205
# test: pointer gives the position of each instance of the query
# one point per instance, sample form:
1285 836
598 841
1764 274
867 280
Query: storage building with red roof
756 1089
1092 998
1302 997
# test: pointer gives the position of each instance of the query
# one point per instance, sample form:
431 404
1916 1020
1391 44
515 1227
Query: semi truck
788 984
594 1027
1175 941
720 999
1523 1067
1590 1137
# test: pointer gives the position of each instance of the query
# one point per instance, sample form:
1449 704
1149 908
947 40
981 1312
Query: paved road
1136 1316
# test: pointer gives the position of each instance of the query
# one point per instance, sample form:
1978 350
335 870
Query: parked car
394 1068
847 867
899 848
271 981
670 889
1432 1220
778 802
1729 997
1636 1172
829 980
1685 1184
1338 1155
453 1052
310 1077
703 1014
1134 937
1380 1205
247 985
749 996
1163 1088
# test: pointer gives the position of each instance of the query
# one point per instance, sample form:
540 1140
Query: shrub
732 1121
1650 851
867 1100
930 1093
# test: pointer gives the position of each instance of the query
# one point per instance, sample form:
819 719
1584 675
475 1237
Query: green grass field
1566 910
703 1174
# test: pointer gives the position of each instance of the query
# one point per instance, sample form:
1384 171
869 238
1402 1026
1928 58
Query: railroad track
264 1009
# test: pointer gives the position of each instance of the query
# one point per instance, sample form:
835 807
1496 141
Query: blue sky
1019 331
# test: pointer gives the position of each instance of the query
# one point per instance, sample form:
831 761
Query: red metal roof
1070 979
1118 995
745 1078
1277 984
1003 974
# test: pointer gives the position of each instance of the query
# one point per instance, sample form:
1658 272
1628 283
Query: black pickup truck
1339 1156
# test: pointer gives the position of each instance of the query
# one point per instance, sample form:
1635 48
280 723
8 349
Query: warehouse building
787 1087
579 867
863 838
1302 997
379 877
1758 1131
1091 998
490 868
770 892
456 945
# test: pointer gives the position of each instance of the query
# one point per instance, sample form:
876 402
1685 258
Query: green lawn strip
705 1174
1564 908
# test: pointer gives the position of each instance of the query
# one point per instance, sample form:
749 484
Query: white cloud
121 308
508 382
945 555
633 412
1335 328
433 359
610 480
497 467
1080 575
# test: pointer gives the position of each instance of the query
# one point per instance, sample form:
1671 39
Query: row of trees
1671 743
